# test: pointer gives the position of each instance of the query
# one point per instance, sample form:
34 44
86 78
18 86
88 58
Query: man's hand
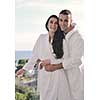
53 67
43 63
50 68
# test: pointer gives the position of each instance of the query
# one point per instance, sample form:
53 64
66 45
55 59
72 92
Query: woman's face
52 25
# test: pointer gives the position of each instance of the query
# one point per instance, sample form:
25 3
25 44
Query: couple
58 55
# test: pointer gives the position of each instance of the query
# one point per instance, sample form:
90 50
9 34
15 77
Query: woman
48 49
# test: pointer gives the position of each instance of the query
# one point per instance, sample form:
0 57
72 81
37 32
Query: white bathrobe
62 84
73 52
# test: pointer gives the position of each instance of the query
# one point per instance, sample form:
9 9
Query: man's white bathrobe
62 84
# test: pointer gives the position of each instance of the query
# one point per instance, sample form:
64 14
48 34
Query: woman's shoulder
43 35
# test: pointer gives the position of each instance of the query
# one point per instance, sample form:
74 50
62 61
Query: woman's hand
20 72
45 62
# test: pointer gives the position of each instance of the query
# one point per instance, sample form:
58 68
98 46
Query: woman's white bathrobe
62 84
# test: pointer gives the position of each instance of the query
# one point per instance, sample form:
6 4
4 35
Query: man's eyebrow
66 20
60 19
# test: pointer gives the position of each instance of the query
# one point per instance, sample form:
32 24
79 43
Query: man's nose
63 23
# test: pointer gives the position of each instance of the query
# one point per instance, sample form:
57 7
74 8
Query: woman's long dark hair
57 43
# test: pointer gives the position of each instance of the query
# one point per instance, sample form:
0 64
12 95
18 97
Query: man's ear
71 20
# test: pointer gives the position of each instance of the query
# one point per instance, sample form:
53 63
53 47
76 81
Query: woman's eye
51 22
56 23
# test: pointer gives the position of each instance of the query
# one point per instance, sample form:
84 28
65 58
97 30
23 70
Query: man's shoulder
76 37
76 34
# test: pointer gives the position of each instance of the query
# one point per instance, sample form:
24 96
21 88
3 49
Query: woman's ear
48 27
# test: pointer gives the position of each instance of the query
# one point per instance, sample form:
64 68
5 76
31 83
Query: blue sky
31 15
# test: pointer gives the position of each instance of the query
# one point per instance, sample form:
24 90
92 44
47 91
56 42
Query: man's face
64 22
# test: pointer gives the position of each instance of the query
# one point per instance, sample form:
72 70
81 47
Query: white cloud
44 5
25 41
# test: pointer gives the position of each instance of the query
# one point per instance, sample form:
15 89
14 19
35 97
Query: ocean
22 55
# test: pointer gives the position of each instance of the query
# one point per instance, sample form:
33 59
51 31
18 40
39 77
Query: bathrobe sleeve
35 55
73 52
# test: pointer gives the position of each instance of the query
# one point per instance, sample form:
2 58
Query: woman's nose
54 24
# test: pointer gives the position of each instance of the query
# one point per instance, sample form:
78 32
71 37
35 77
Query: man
76 49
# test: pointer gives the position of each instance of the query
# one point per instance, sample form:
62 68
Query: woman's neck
51 35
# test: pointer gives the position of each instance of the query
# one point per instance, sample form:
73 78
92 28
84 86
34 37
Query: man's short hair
65 12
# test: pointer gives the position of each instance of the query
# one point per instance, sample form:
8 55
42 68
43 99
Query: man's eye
66 20
61 20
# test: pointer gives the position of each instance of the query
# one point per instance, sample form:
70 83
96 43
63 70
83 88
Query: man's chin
62 29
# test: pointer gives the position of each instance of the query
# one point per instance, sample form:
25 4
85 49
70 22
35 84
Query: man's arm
53 67
75 51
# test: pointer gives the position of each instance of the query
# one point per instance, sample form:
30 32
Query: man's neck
69 29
